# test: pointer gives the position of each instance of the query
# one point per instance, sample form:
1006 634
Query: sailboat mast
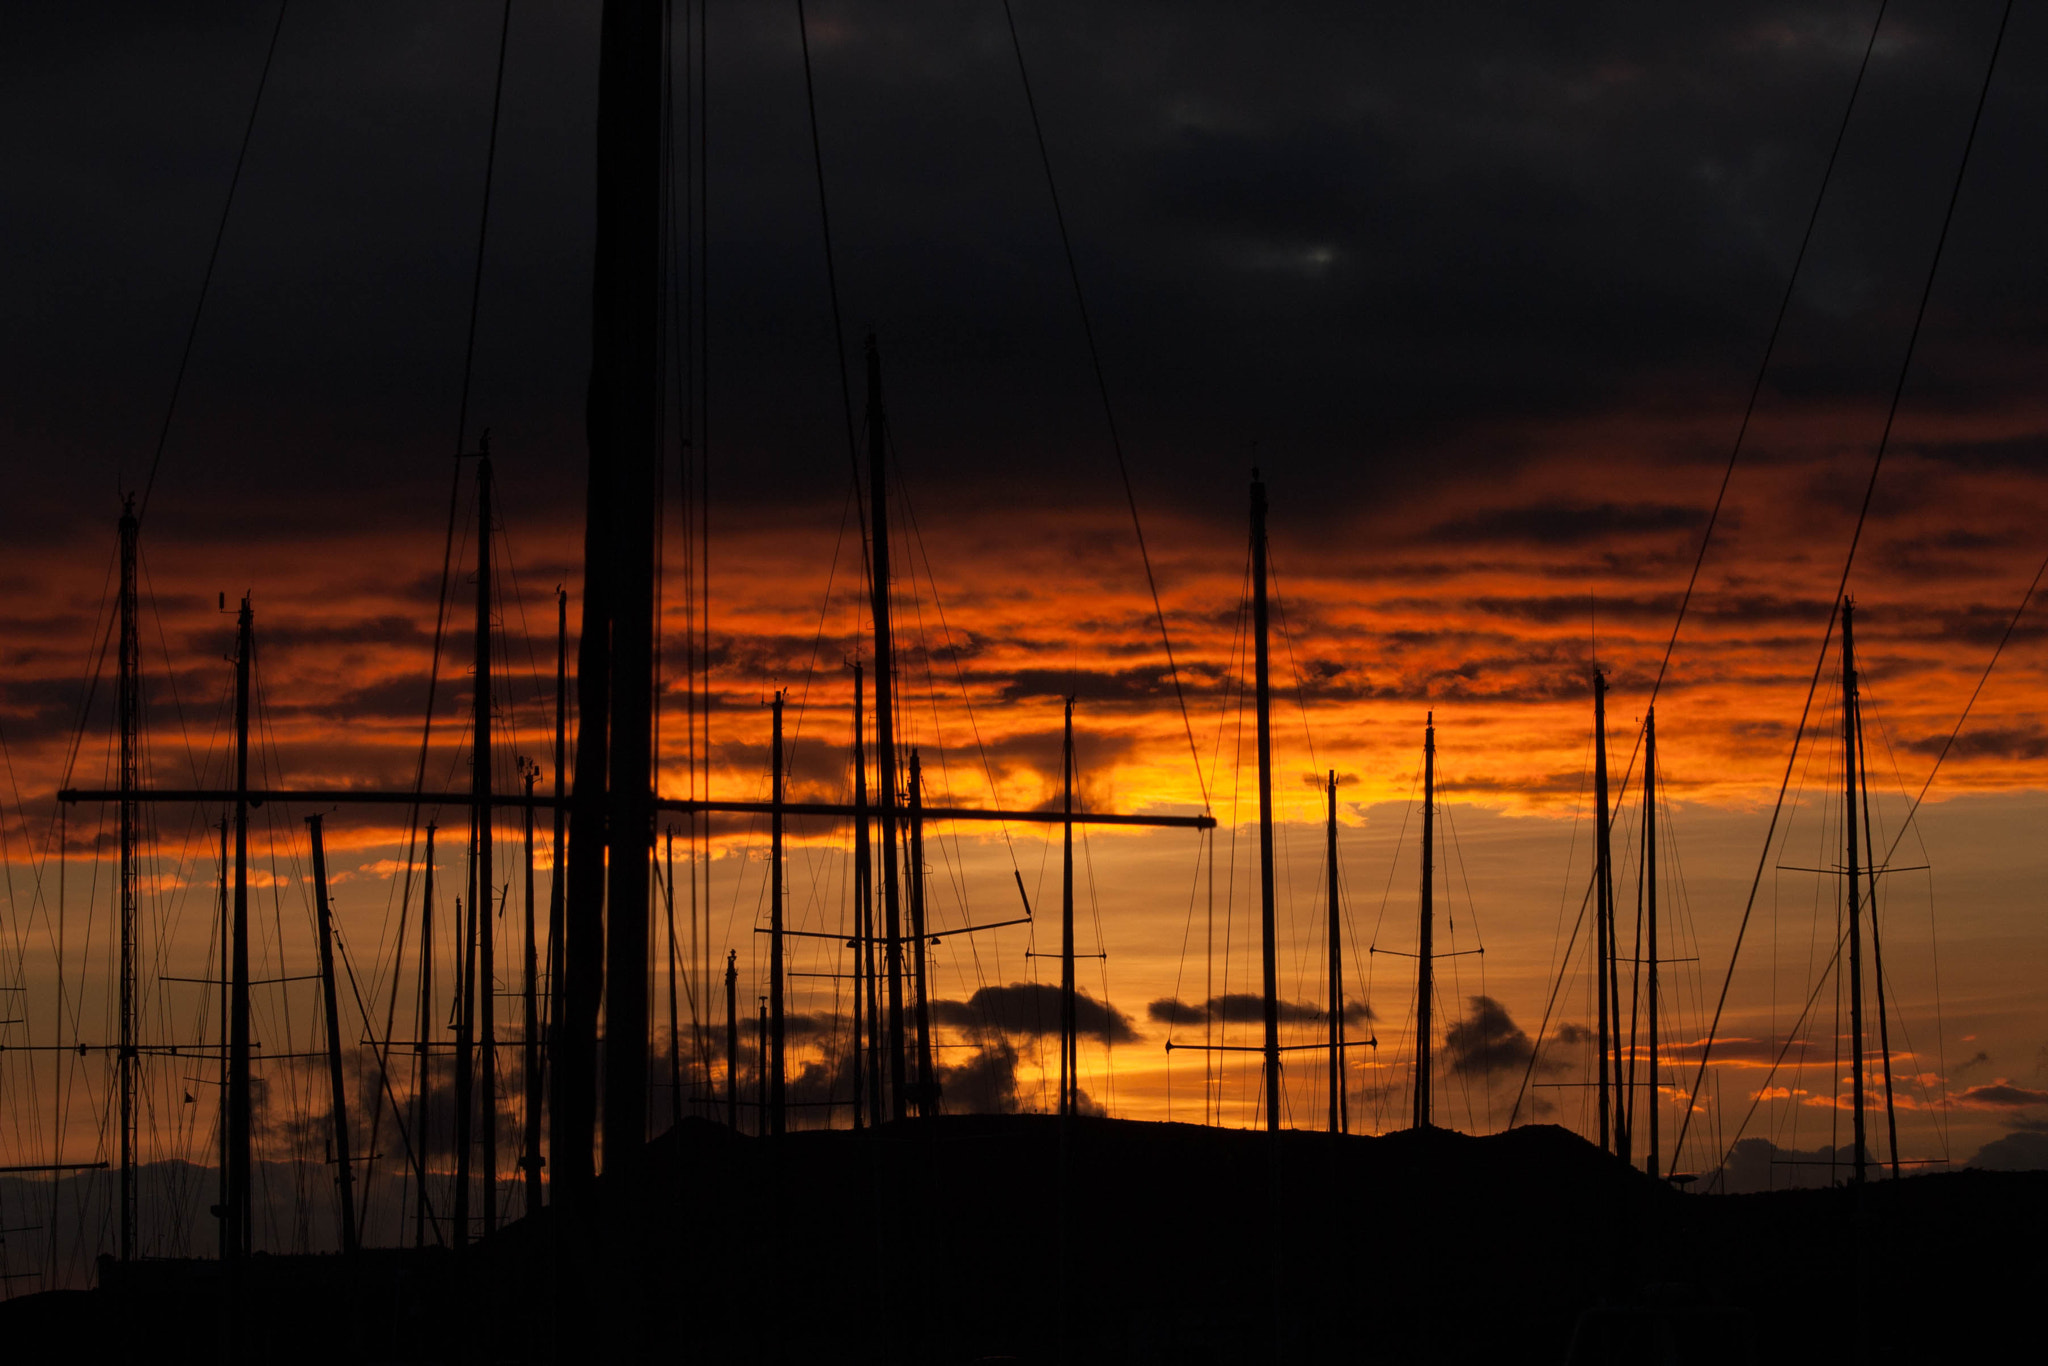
1262 685
611 909
236 1211
226 1067
558 852
1603 918
675 1036
777 1117
1425 961
1070 1053
423 1027
484 898
1650 1095
530 1024
465 1051
129 710
732 1040
1884 1031
337 1082
864 1079
1339 1106
885 730
927 1089
1852 790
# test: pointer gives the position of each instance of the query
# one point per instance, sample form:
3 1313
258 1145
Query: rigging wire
1862 516
1770 348
212 259
1102 391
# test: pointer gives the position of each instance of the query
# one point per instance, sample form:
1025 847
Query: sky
1481 290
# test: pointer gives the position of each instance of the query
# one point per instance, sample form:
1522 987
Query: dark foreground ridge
956 1240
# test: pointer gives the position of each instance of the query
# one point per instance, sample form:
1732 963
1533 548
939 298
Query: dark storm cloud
1033 1008
1567 524
1242 1007
1380 241
2000 1095
1996 742
985 1084
1487 1041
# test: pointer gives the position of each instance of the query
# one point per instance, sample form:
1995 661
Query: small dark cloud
2001 1095
1566 524
1999 742
1033 1008
986 1084
1569 1033
1245 1007
1487 1041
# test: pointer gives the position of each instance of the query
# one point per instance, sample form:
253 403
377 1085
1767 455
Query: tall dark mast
337 1082
675 1036
761 1067
1425 961
1263 688
927 1089
465 1050
484 902
236 1211
1650 920
226 1067
1603 920
611 818
1884 1031
424 1025
778 1120
1340 1118
558 854
732 1040
1070 1050
128 704
866 1085
530 1023
1852 790
885 726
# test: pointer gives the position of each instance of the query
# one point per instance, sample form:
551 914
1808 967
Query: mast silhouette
530 1162
424 1024
1884 1033
885 727
1425 961
675 1037
344 1172
1070 1052
558 852
226 1071
1851 793
926 1092
235 1211
465 1051
866 1084
484 896
732 1040
1612 1137
778 1120
1340 1100
1262 684
128 709
1650 922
